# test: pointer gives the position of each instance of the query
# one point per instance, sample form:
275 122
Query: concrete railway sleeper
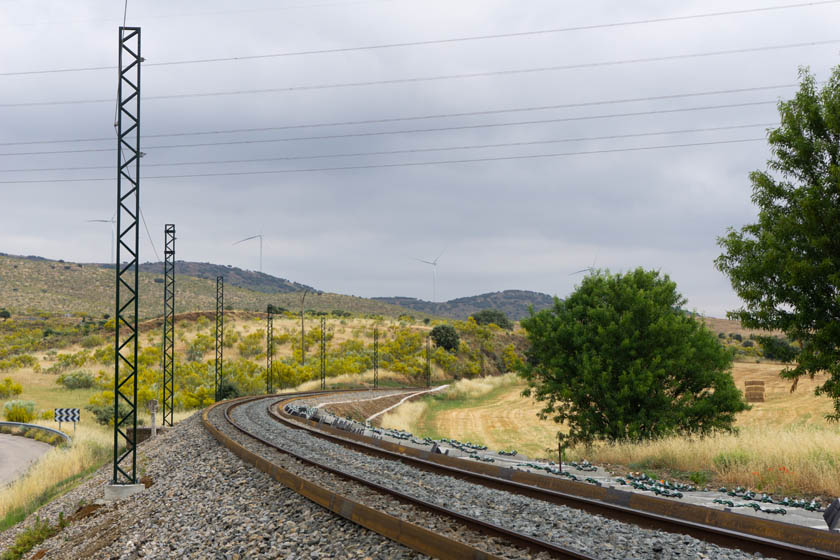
424 527
566 528
757 535
766 537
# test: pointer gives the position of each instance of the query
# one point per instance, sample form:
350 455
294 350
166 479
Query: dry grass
406 416
354 379
789 460
783 445
90 446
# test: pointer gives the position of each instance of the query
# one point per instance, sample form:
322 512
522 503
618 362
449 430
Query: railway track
259 432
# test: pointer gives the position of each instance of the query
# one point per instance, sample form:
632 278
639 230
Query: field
783 445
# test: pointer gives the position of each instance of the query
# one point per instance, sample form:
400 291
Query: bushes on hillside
777 348
446 337
493 317
19 411
77 380
9 388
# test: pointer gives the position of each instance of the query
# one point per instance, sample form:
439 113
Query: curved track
767 537
342 498
426 541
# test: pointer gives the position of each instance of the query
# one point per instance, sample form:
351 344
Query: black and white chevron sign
67 414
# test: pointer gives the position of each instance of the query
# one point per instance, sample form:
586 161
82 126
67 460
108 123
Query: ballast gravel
204 503
594 535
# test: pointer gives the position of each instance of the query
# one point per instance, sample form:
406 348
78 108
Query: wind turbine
112 221
587 269
434 273
258 236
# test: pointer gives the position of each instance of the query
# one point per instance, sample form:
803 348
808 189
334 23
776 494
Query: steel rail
534 544
724 528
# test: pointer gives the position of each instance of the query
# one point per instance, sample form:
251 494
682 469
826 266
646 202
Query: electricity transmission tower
220 333
127 256
168 404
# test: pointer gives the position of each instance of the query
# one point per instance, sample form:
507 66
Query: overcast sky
504 224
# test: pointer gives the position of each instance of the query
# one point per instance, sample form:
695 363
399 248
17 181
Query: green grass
438 403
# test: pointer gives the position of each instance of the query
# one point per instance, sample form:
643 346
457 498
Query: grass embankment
783 445
56 472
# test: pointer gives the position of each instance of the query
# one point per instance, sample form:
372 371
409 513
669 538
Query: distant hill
249 279
514 303
32 284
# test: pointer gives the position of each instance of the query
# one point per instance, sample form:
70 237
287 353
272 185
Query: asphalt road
16 454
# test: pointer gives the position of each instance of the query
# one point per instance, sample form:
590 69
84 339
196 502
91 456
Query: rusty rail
770 538
408 534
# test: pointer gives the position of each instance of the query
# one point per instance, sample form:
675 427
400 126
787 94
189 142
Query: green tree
493 316
446 337
786 266
5 314
619 360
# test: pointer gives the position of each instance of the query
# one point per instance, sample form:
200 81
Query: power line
412 150
401 164
412 131
470 38
216 13
424 117
511 72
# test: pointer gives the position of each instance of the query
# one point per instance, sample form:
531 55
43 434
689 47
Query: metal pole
128 248
323 353
269 350
375 358
168 326
302 334
220 330
428 362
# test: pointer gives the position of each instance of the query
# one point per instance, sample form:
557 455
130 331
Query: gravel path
205 503
597 536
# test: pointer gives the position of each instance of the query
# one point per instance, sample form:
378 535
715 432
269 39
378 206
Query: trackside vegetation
619 360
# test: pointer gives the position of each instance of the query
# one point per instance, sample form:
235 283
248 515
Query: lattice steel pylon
168 401
428 362
128 248
269 350
375 358
323 353
220 334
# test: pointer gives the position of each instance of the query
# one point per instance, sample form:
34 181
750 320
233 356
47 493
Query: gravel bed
204 503
440 524
594 535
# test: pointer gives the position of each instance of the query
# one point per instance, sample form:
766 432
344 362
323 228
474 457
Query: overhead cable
511 72
444 41
412 131
391 165
384 120
410 150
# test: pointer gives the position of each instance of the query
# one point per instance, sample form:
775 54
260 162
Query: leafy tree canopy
619 360
446 337
494 316
786 266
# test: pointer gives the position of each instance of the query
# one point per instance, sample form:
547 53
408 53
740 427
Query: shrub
104 413
77 380
19 411
776 348
493 316
747 344
737 337
92 341
9 388
446 337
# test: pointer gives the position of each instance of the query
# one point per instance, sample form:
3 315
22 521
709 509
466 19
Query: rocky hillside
514 303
